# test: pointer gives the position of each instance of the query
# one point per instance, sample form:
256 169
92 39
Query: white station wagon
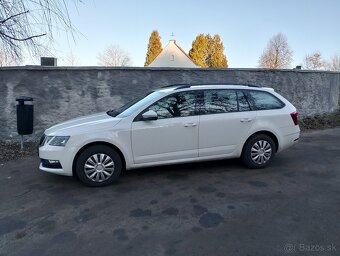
174 124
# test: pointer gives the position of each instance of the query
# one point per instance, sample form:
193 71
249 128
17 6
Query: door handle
245 120
190 124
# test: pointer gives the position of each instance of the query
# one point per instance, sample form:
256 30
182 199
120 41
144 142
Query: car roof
176 87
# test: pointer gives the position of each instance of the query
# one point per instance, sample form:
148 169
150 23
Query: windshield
134 105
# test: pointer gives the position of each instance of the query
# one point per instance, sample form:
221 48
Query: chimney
48 61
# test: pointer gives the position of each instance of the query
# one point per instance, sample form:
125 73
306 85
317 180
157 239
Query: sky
245 27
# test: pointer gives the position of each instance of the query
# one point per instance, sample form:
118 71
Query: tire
98 166
258 151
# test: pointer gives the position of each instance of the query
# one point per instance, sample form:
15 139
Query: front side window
219 101
264 100
176 105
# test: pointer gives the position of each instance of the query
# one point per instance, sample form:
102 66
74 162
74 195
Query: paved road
212 208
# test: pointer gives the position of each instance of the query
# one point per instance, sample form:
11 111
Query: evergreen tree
199 51
208 52
154 47
217 58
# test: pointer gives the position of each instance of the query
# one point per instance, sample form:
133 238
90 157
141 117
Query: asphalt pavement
211 208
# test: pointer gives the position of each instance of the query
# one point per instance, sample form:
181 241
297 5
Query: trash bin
24 115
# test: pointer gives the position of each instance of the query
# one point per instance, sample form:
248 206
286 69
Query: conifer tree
199 51
217 58
154 47
208 52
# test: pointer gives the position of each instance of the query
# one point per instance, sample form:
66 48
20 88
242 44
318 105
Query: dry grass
319 122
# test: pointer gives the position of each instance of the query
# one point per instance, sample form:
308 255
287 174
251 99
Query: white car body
171 140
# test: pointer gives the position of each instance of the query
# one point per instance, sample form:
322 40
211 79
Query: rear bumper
289 140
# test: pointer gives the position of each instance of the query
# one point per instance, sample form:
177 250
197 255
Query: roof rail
183 86
170 85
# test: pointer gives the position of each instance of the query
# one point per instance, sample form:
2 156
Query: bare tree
6 60
334 64
313 61
277 54
25 23
114 56
71 59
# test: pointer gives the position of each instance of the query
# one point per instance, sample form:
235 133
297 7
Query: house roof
179 57
184 52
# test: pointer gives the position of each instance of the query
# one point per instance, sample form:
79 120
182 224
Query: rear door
225 119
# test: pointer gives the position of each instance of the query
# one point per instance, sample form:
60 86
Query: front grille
42 139
45 163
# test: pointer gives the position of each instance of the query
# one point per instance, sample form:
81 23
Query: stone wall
61 93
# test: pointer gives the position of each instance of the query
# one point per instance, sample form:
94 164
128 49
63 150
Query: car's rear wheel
258 151
98 165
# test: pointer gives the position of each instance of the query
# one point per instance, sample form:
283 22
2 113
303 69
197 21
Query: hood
83 124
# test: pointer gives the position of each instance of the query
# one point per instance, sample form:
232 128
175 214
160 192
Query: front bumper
64 155
54 170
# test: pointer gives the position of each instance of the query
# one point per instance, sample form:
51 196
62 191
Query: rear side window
219 101
243 101
264 100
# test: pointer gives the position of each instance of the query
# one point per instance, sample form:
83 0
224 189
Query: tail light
295 118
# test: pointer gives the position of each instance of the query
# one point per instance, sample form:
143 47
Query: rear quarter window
264 100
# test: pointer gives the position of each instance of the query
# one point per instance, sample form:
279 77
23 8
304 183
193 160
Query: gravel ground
11 151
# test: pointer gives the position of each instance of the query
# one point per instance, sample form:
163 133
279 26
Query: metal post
22 142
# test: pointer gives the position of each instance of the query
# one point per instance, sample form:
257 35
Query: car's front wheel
98 165
258 151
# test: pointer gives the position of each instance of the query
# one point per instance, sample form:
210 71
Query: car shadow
215 166
171 172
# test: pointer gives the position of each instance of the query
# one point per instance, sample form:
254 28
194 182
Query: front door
173 136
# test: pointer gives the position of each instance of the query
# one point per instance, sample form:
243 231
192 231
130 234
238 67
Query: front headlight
46 140
58 140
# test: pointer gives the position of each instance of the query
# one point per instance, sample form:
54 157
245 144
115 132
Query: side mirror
149 115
